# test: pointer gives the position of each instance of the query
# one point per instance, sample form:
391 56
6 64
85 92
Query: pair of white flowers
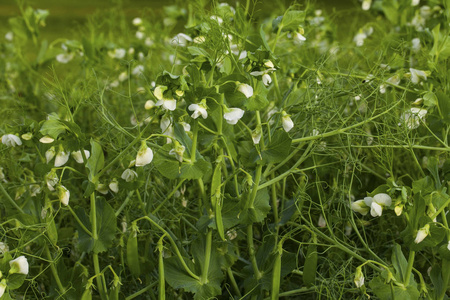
166 103
375 204
269 67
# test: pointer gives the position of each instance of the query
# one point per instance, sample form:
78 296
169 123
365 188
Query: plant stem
124 203
10 199
54 270
204 277
411 256
79 221
194 141
93 218
251 251
138 293
233 282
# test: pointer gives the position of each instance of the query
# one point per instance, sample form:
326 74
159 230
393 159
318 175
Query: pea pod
310 267
87 294
162 287
132 252
216 199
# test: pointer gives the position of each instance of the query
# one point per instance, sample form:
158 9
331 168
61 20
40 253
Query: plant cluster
217 152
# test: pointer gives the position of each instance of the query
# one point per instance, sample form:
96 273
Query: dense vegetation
220 152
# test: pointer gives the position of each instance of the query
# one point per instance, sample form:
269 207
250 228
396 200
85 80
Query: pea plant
227 151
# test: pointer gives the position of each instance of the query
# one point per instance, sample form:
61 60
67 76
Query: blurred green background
66 16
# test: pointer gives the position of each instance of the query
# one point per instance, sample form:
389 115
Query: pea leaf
258 212
278 148
444 105
106 228
195 170
96 161
53 128
165 163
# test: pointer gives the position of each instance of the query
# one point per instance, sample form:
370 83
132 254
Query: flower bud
27 136
359 277
360 206
63 194
46 140
422 233
114 185
62 157
245 89
2 287
49 154
286 121
233 115
77 155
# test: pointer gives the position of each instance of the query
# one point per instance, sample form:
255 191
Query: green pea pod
276 273
215 184
52 232
310 267
162 286
114 293
218 214
133 254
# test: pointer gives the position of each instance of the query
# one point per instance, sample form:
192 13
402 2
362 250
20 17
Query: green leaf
53 128
259 100
258 212
106 228
195 170
444 105
423 186
165 163
383 290
430 99
399 262
96 161
390 10
441 44
278 148
290 21
15 280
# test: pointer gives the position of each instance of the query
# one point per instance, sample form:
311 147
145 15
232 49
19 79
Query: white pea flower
181 40
140 35
51 179
123 76
50 153
217 19
178 151
377 202
78 156
64 58
46 140
2 287
129 175
359 39
299 38
422 233
169 104
398 210
412 117
19 265
233 115
149 104
186 126
448 246
416 75
63 194
138 70
11 140
61 157
159 91
366 4
415 44
360 206
137 21
359 277
286 121
394 80
322 222
245 89
117 53
199 109
415 2
3 248
269 64
348 229
144 156
266 79
114 185
9 36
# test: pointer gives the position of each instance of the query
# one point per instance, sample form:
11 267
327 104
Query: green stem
138 293
124 203
194 141
79 221
54 270
168 196
233 282
8 197
93 218
204 277
174 245
411 256
342 130
251 251
98 277
255 186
